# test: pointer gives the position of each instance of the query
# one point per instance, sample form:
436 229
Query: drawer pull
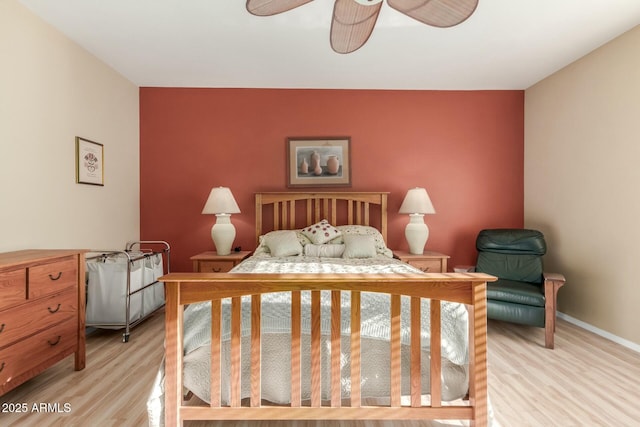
216 270
54 310
55 342
1 328
2 367
57 277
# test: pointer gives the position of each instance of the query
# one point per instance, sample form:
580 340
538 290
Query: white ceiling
505 44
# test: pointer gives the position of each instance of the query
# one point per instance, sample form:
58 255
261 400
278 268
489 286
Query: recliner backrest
512 254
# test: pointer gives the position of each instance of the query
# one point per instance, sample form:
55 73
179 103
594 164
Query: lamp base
223 234
416 234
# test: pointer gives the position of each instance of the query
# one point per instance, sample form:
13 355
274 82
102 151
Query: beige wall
582 182
51 91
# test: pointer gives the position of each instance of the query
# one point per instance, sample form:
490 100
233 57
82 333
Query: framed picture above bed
319 161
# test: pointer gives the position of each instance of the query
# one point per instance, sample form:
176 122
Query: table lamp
222 204
417 203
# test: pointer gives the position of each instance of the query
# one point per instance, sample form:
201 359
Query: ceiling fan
353 20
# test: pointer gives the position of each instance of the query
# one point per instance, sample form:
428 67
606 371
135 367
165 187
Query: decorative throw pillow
326 250
381 246
283 243
321 232
359 246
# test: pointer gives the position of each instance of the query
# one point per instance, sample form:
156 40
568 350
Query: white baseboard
626 343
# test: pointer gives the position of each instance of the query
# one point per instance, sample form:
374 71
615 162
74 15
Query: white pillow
359 246
283 243
321 232
326 250
381 246
264 249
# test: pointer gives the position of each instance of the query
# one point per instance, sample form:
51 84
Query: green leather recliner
523 293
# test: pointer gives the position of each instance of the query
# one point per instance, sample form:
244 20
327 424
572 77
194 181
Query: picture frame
89 162
318 162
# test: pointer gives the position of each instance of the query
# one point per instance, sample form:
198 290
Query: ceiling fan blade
437 13
352 24
273 7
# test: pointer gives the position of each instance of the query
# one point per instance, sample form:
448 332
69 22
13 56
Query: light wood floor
586 381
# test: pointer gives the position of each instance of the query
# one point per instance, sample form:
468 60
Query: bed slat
366 213
256 316
285 212
336 329
356 400
436 353
325 210
350 204
316 216
236 331
276 216
296 395
309 211
416 353
315 350
396 345
334 211
216 326
292 215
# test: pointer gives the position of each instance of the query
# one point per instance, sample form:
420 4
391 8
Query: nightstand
211 262
429 262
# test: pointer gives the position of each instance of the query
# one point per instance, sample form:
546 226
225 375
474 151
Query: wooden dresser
42 312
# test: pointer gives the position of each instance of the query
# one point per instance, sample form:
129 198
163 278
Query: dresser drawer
13 287
428 266
31 355
28 319
53 277
216 266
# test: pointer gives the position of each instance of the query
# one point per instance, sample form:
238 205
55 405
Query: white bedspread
375 334
276 326
375 307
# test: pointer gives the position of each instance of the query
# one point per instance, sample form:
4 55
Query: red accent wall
465 148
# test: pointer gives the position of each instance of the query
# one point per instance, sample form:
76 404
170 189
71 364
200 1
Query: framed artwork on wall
89 162
319 161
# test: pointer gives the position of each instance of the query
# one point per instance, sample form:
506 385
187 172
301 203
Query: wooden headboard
289 211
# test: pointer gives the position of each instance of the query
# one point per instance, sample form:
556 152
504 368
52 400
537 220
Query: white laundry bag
107 291
153 296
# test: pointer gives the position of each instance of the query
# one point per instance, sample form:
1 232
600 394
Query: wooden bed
294 210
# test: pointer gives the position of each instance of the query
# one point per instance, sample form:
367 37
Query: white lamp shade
417 201
221 201
222 204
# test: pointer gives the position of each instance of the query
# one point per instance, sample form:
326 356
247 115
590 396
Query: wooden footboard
188 288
